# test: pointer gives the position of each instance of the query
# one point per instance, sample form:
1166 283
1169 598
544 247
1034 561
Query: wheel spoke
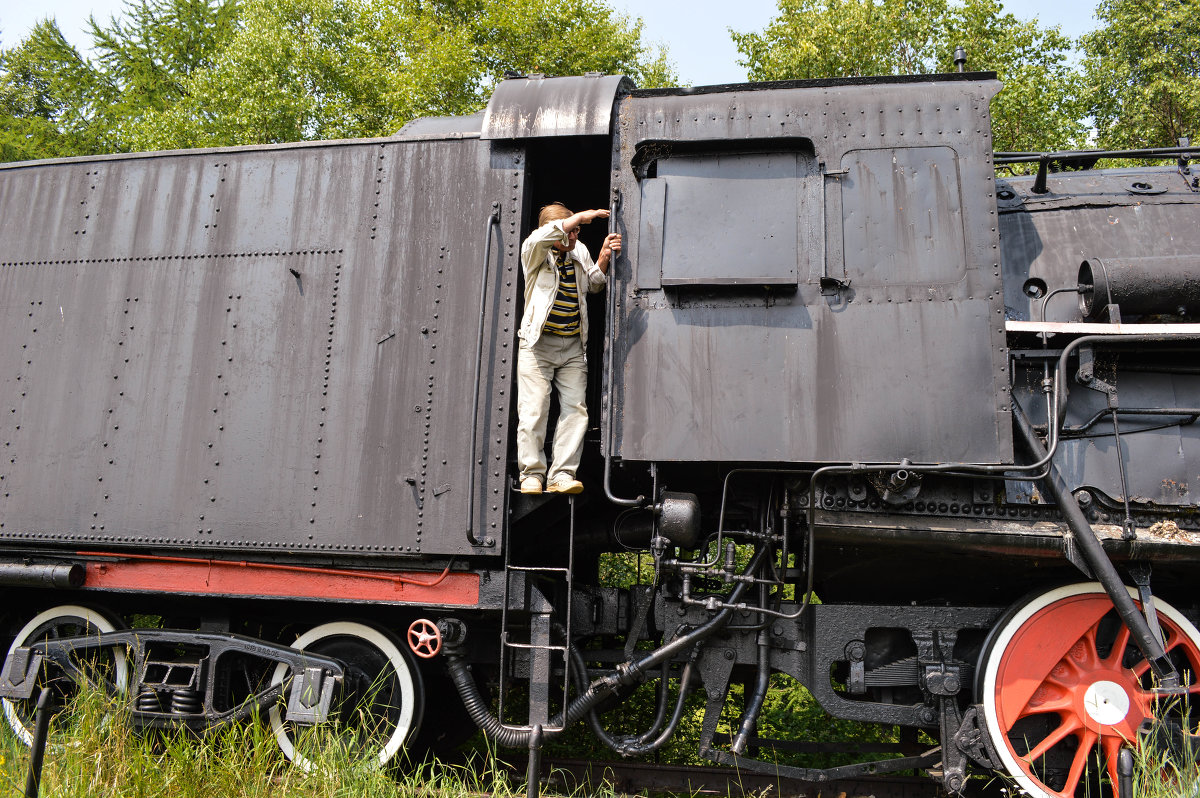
1061 702
1087 741
1115 657
1112 748
1069 725
1092 659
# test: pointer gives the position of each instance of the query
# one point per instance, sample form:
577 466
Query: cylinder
1139 286
60 575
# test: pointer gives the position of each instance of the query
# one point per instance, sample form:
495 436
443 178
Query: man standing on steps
553 345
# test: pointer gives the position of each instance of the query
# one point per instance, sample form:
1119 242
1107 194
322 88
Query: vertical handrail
493 220
41 726
609 327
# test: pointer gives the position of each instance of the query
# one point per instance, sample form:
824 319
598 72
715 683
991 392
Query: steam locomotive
886 416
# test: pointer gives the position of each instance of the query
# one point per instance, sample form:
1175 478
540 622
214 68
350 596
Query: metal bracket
1140 574
19 677
855 653
312 696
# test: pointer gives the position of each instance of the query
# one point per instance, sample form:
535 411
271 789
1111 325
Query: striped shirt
564 313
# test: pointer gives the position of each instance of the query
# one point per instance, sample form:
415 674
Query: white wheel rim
396 659
1001 643
100 622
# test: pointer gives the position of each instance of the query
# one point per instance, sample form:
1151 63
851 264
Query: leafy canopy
1142 68
186 73
1038 109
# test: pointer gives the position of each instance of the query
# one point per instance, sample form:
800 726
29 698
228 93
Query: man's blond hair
552 213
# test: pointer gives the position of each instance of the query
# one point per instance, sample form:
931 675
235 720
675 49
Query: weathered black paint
842 298
263 349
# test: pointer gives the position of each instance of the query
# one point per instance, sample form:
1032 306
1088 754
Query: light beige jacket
541 280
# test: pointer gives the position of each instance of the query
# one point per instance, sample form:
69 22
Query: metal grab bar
609 326
493 220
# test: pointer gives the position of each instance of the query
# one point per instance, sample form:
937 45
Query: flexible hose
629 673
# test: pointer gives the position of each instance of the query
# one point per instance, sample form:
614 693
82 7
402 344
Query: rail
493 220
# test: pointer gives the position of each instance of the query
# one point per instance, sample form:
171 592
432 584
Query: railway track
577 776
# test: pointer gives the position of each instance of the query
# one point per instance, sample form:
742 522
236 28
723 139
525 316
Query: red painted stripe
148 573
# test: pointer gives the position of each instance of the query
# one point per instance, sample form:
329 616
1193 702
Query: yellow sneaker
565 485
531 485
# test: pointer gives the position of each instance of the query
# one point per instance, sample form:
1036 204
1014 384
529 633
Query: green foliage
190 73
319 69
1142 70
48 98
1038 109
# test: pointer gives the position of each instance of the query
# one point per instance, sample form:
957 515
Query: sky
695 32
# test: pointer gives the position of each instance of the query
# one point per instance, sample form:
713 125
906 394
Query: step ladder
538 583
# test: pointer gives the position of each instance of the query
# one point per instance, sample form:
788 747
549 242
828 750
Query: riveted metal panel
1089 215
257 349
1127 213
901 355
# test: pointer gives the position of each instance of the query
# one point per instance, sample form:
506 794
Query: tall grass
1163 770
92 751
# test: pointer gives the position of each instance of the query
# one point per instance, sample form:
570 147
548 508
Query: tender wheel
110 667
381 699
1063 688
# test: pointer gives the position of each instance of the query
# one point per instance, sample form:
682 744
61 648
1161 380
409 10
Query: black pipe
1002 158
58 575
41 726
755 701
660 709
533 773
597 691
1125 773
609 335
642 746
1098 561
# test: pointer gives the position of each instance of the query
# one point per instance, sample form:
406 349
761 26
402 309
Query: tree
318 69
146 57
1039 107
187 73
54 102
1142 69
48 97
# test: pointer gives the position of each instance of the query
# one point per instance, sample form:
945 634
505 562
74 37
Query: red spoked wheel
1064 688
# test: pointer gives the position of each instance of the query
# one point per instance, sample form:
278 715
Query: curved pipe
626 674
643 745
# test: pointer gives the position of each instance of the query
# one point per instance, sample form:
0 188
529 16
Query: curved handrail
609 325
493 220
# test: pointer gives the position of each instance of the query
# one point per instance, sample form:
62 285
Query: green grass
1162 773
92 751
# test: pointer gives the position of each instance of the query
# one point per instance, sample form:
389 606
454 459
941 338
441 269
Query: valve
424 638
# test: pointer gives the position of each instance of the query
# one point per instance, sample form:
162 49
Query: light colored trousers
559 361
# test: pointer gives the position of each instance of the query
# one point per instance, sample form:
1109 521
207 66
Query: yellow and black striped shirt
564 313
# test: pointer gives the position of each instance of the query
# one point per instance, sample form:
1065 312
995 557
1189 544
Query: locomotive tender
265 394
